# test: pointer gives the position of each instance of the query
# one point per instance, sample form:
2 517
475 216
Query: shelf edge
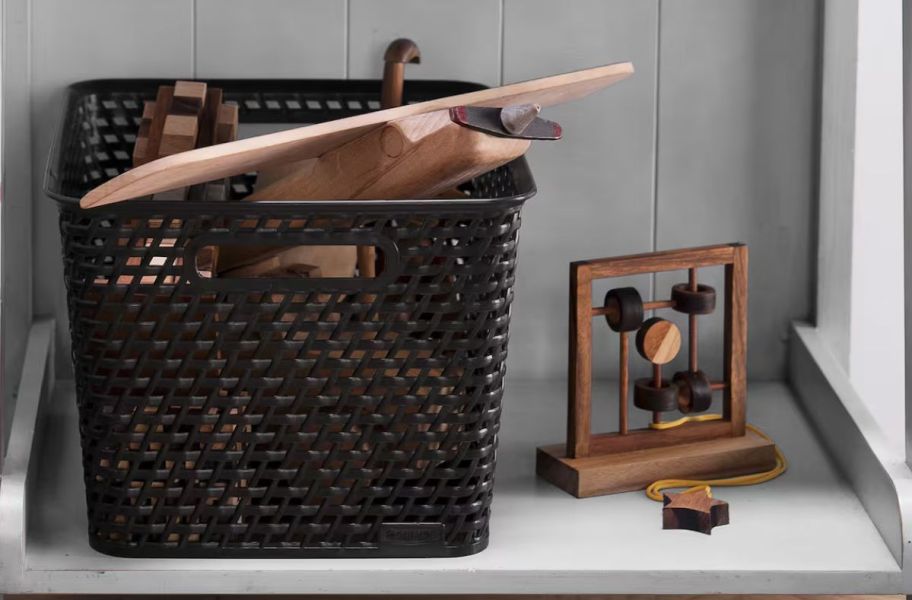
880 478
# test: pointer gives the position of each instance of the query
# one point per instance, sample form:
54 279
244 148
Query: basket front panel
258 416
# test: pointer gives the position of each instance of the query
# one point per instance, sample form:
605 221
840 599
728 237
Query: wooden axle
600 311
692 324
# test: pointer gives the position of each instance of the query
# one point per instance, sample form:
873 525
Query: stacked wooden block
185 116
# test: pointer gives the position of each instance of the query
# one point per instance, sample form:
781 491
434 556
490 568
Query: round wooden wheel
658 340
648 397
699 302
694 391
624 309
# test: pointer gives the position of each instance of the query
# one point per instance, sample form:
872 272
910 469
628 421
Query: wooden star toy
696 511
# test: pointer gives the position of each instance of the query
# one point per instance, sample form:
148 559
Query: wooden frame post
579 379
734 399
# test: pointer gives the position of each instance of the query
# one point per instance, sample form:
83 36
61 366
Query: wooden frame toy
605 463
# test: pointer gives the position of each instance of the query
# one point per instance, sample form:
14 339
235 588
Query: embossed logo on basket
411 534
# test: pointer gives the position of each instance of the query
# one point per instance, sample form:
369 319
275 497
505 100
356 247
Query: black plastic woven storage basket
283 417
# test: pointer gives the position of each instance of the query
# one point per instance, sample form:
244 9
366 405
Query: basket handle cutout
323 262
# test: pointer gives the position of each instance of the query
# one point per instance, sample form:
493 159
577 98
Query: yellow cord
654 491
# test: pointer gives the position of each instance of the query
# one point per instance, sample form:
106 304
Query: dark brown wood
623 309
227 124
599 311
156 126
655 395
581 444
623 382
641 386
579 379
657 262
699 301
397 55
141 146
694 391
692 332
626 471
641 439
208 118
208 121
695 511
735 344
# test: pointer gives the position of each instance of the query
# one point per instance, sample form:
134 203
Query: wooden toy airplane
410 151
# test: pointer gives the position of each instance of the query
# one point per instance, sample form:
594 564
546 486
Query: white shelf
806 532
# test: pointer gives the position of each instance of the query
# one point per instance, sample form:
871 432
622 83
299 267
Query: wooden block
160 109
227 124
178 134
189 98
141 146
694 510
208 118
636 469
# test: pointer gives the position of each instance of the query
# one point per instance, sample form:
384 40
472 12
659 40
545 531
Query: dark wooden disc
649 397
624 309
699 302
694 391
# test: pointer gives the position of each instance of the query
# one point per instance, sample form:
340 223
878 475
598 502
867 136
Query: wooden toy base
636 469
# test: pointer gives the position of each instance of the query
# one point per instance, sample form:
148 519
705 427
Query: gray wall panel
736 154
17 202
458 40
270 38
735 125
595 187
74 41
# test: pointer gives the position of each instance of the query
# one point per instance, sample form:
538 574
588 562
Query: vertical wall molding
17 208
907 216
655 135
876 337
860 248
839 56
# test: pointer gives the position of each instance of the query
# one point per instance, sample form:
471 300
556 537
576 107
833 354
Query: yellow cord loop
654 491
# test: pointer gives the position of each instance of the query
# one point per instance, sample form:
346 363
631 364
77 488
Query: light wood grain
416 157
205 164
659 341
